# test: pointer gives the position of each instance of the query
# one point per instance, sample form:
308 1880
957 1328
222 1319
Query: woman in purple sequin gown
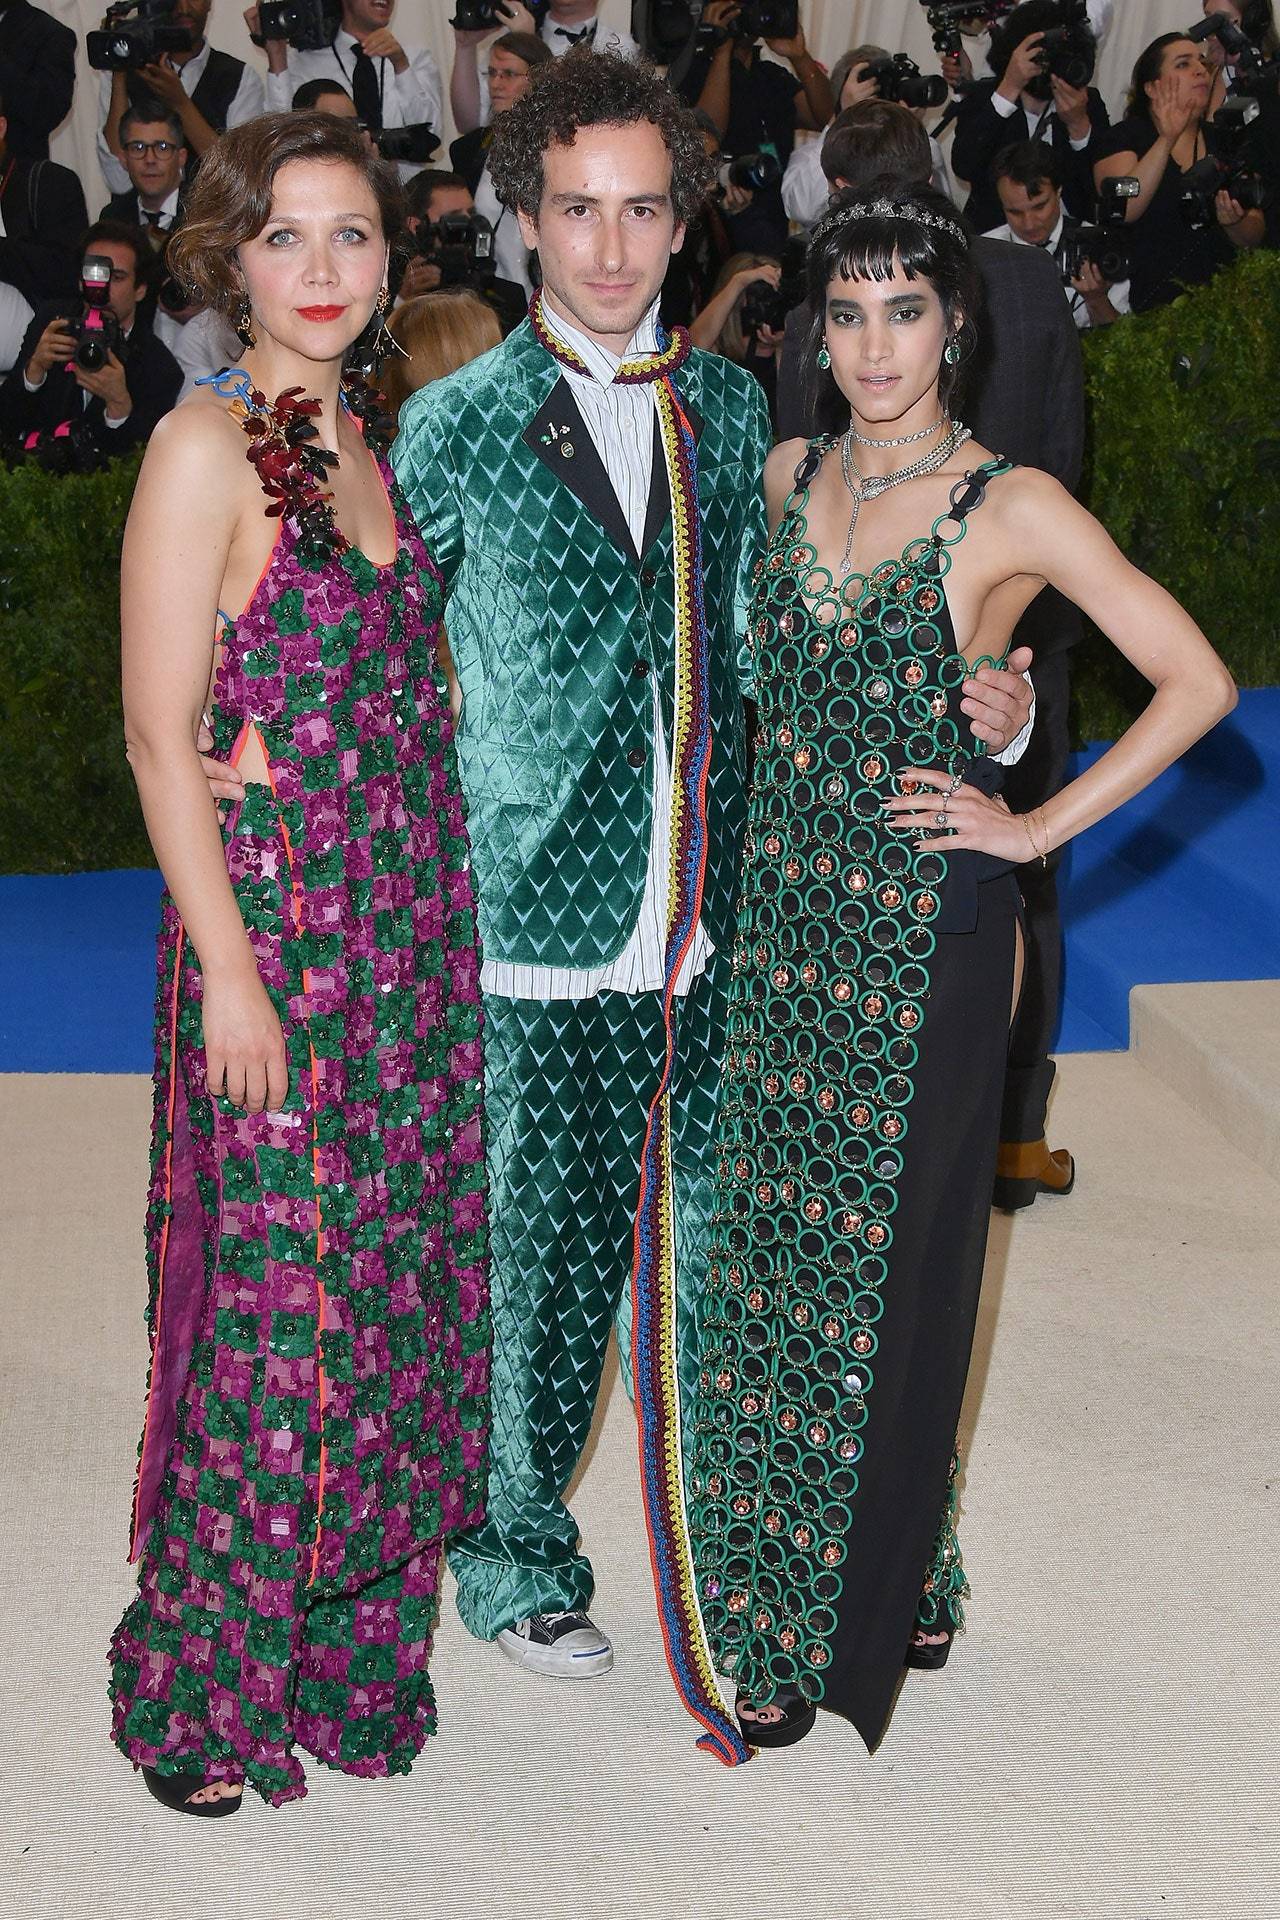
317 1408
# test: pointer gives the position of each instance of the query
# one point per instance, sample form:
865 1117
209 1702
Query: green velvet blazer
557 625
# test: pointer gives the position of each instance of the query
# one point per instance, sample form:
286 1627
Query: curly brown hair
231 199
587 89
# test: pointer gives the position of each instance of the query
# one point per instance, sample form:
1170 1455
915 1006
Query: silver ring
940 819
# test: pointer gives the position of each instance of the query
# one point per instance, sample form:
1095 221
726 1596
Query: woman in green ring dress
875 972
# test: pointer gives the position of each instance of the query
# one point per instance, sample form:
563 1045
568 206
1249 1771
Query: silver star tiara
846 214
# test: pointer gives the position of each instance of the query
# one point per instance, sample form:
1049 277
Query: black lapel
557 426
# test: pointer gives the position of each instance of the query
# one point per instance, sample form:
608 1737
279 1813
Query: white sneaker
568 1646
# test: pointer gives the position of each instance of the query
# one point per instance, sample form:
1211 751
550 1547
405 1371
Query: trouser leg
567 1090
1036 778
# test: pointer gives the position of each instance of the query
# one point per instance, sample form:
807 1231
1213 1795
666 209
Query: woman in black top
1158 142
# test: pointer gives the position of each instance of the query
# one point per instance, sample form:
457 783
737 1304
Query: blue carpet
1183 885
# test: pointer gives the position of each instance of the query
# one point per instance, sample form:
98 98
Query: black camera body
481 16
93 326
899 79
754 171
758 20
308 25
946 17
461 245
1226 168
763 305
1067 51
1105 245
413 144
1249 62
136 33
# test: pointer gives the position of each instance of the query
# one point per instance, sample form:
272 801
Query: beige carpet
1102 1744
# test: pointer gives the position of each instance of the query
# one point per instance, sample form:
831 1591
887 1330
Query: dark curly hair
587 89
852 240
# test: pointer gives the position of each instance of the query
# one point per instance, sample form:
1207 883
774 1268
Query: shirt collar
1050 245
601 364
585 29
168 208
195 66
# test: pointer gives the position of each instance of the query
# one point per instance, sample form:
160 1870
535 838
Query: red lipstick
322 313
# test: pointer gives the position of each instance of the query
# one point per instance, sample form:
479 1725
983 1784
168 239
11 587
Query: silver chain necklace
863 487
907 439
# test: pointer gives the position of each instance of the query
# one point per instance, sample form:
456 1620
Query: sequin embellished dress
868 1026
317 1409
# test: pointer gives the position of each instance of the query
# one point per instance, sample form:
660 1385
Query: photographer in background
1253 75
42 215
37 74
960 70
805 193
453 247
739 321
563 25
513 59
155 158
109 407
208 90
755 103
1028 179
1164 136
393 85
1042 91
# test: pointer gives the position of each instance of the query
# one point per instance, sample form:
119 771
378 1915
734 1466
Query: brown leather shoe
1026 1168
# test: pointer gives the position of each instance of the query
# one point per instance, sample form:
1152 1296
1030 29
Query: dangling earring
824 358
243 328
385 341
952 354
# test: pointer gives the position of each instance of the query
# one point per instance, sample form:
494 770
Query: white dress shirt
409 99
15 317
620 420
510 254
1117 293
247 103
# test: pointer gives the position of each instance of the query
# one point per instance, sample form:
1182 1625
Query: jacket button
640 669
648 578
636 757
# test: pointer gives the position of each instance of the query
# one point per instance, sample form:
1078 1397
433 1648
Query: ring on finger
940 819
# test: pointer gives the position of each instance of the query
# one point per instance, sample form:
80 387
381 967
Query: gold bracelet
1041 854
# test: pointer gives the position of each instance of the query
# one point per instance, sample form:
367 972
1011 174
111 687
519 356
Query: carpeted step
1217 1044
1079 1032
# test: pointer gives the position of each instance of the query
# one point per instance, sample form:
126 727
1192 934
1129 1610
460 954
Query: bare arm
1047 535
708 325
464 80
171 574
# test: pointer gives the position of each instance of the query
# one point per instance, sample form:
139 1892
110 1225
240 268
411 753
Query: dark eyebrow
855 306
593 200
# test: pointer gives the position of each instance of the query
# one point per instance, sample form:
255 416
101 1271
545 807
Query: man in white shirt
209 91
15 318
393 85
1029 184
565 25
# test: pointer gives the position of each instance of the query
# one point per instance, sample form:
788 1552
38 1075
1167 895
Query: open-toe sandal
920 1653
798 1716
175 1790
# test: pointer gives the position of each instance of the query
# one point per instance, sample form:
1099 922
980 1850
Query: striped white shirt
620 420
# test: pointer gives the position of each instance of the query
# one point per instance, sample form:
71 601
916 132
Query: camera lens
90 355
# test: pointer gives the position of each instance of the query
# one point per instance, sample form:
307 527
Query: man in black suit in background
155 157
38 72
1025 401
112 408
42 215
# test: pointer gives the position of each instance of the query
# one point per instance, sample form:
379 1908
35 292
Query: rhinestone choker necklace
907 439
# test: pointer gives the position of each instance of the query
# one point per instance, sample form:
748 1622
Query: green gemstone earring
824 358
952 355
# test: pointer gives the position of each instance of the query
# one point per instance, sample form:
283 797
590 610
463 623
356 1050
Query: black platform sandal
174 1790
798 1716
929 1657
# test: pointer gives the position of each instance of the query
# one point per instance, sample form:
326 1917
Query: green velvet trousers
567 1092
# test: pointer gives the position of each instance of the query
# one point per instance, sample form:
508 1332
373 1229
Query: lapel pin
559 436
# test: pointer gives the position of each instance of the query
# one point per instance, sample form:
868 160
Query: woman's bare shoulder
198 445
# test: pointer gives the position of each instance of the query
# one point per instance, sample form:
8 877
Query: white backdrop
832 27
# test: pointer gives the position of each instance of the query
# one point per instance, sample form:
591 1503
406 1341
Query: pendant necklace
862 487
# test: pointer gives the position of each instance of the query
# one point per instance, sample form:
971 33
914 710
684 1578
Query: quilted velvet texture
546 619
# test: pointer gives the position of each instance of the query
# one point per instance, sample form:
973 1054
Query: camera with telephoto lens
415 144
947 17
136 33
480 16
1106 245
753 171
1067 51
93 326
899 79
461 246
763 305
1247 60
755 20
308 25
1226 168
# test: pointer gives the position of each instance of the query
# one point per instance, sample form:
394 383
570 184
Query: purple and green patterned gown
317 1412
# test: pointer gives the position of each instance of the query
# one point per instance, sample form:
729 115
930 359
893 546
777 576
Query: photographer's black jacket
212 95
37 76
153 377
468 153
44 219
982 132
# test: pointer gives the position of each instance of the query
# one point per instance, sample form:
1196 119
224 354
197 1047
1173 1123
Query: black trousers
1035 779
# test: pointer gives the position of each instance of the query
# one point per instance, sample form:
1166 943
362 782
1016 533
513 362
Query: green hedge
1184 468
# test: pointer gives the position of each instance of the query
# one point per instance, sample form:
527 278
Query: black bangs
873 250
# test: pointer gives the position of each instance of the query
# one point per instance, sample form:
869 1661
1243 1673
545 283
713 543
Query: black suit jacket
37 76
1026 390
152 375
982 133
127 207
468 153
41 256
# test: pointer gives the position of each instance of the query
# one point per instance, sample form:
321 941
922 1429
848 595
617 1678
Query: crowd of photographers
97 340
